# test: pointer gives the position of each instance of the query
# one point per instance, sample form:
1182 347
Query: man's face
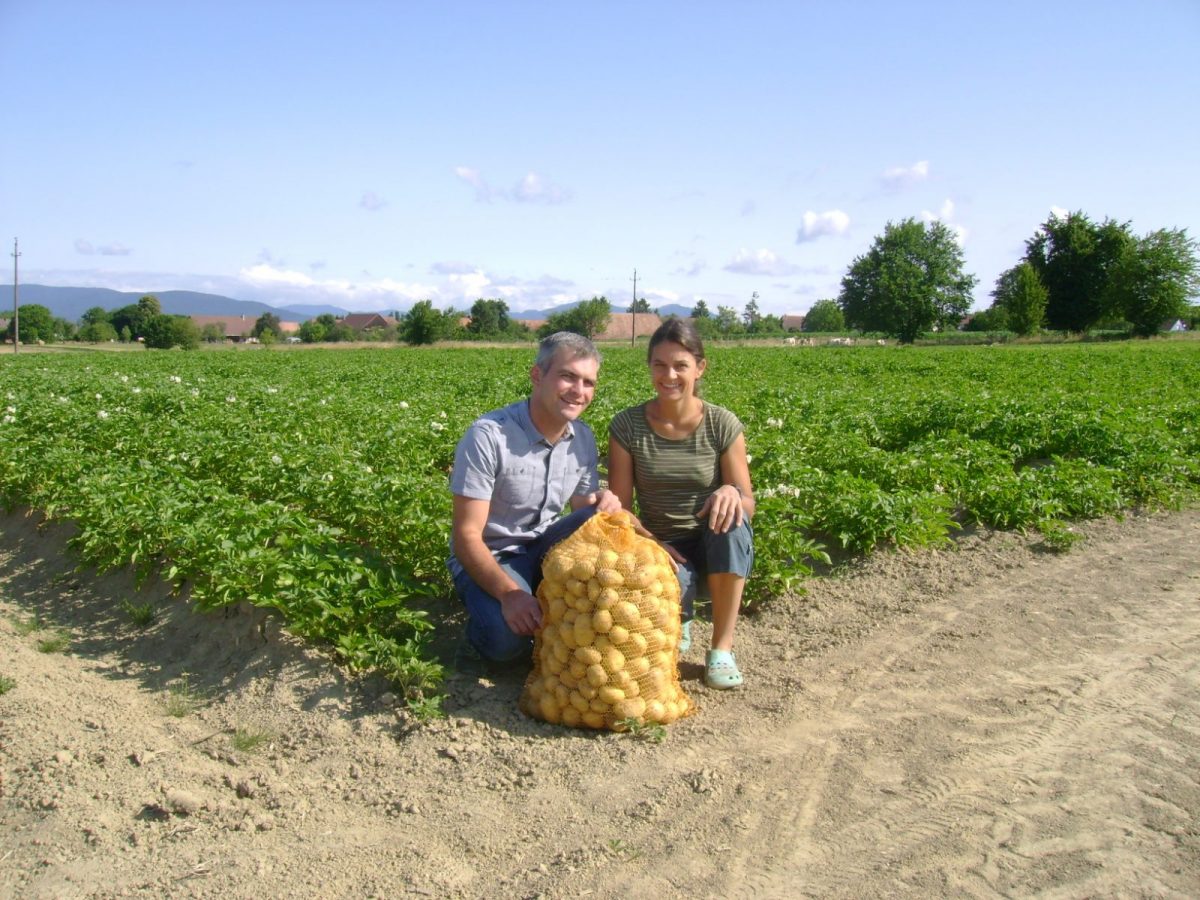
564 391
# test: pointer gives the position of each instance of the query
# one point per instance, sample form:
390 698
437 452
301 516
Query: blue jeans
710 553
487 631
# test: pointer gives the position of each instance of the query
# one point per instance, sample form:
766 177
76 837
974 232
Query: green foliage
489 318
314 484
6 684
655 734
94 316
425 708
1153 279
1058 536
1019 300
909 282
248 740
36 323
994 318
183 698
751 314
423 324
825 315
1073 258
54 642
313 331
700 310
164 332
268 321
212 333
588 318
97 333
640 305
142 615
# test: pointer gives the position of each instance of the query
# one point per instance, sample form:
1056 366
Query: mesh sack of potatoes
606 655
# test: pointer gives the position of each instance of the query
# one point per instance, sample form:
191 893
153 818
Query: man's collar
532 430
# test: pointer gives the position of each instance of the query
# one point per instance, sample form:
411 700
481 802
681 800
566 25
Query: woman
686 459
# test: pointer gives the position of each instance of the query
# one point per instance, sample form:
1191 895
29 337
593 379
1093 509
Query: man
515 470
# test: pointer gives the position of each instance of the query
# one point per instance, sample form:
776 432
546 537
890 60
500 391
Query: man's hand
521 611
604 501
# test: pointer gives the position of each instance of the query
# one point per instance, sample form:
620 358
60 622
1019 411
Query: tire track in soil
885 781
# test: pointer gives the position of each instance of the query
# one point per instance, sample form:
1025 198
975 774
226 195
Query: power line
16 315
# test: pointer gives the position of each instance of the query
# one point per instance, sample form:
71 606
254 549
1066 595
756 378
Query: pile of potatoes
606 654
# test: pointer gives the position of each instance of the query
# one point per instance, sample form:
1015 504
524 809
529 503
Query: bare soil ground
993 720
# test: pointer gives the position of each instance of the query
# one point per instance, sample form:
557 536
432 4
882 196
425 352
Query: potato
626 614
598 705
571 716
607 598
618 634
637 645
584 636
610 694
629 708
553 664
577 670
655 710
589 656
637 666
562 694
577 588
594 719
583 569
602 621
607 559
628 563
550 709
556 567
555 610
610 578
561 652
613 661
596 676
579 701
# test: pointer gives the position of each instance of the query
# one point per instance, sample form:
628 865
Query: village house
238 328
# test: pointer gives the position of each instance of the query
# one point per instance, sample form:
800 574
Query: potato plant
315 484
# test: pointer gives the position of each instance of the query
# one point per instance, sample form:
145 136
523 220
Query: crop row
316 483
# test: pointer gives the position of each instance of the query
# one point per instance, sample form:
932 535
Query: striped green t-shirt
673 478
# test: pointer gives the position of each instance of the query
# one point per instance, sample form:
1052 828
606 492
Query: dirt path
993 721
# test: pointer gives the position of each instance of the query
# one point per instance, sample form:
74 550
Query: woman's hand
723 508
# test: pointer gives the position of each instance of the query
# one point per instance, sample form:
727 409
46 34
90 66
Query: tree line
1075 275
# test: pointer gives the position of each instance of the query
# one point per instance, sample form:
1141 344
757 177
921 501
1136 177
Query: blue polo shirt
504 459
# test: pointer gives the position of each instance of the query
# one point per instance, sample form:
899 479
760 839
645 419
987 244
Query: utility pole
633 330
16 319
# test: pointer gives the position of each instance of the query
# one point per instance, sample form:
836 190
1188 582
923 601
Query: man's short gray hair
576 346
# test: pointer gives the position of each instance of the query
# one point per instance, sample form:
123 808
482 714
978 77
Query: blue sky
372 154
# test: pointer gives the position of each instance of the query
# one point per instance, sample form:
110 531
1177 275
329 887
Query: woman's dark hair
679 331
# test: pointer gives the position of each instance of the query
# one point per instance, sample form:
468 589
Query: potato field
315 483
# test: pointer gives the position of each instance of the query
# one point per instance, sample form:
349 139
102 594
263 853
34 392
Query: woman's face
674 371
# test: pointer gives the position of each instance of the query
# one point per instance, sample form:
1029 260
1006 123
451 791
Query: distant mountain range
72 302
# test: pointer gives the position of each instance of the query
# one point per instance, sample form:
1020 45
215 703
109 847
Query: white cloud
372 202
902 176
818 225
483 191
533 188
1059 213
87 248
451 267
287 286
760 262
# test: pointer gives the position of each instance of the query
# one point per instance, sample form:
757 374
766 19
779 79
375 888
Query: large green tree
1021 296
910 281
162 332
825 315
36 323
97 332
489 317
268 321
1154 278
423 324
1074 257
588 318
700 310
640 305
